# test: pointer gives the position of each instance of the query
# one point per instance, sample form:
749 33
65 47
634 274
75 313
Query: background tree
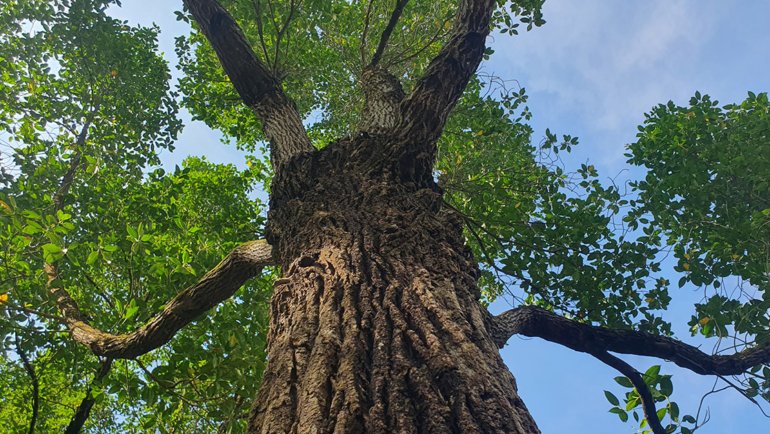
553 234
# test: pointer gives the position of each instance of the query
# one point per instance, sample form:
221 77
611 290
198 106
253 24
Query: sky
592 71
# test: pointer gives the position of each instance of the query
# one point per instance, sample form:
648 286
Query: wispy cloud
597 66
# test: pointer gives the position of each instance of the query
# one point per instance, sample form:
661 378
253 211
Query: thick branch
253 81
84 409
648 403
426 110
536 322
382 89
243 263
383 94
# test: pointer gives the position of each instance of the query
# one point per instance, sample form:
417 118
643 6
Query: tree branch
362 47
394 17
243 263
536 322
18 308
648 403
383 93
260 29
84 409
69 176
292 10
35 384
253 81
382 90
426 110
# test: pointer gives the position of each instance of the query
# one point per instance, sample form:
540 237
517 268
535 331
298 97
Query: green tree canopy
87 104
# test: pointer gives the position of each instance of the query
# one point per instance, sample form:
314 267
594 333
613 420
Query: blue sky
592 71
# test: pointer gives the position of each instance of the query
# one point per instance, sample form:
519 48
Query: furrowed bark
375 325
383 93
382 90
425 112
536 322
253 81
84 409
219 284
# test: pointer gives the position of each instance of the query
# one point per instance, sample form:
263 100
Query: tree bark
375 324
384 94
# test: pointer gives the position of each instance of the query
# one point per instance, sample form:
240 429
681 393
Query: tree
414 166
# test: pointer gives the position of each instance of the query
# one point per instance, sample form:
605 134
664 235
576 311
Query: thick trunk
375 324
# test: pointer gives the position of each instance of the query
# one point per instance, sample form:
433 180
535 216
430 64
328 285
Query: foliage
88 97
707 189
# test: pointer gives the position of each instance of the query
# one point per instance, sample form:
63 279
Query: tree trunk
375 324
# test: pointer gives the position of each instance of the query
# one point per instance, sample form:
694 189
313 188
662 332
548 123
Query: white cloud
603 64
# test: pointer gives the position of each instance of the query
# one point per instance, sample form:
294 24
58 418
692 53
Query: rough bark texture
383 94
375 324
424 113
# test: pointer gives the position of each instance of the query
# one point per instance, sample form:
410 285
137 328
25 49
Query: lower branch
243 263
84 409
536 322
648 403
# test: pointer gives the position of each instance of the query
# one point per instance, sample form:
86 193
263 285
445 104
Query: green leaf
633 403
666 386
625 382
131 310
92 257
651 375
621 414
611 398
52 253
